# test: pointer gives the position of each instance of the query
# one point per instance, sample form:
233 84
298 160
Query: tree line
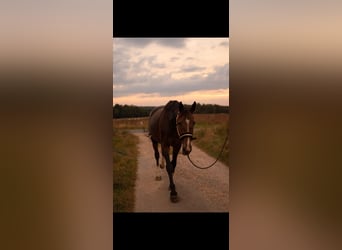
129 111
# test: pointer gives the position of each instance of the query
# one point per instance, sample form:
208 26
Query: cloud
170 67
174 58
172 42
143 42
192 68
224 44
166 85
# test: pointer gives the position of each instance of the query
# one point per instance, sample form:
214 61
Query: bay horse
171 126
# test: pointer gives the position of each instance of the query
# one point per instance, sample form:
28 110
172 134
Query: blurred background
55 102
285 86
285 124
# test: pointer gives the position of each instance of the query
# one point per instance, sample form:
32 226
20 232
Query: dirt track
198 190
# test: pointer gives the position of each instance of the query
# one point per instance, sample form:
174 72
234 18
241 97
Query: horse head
185 126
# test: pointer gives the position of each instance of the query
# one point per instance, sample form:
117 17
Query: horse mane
172 108
171 105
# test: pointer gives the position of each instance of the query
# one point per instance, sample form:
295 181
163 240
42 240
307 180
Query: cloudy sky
152 71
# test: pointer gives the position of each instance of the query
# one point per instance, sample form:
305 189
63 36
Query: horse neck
168 123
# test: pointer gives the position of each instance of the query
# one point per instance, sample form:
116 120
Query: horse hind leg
156 156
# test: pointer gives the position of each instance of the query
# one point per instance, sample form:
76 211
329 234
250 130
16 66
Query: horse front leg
169 169
175 151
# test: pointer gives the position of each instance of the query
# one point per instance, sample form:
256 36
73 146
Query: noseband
184 135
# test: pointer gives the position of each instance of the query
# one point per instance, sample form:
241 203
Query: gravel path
198 190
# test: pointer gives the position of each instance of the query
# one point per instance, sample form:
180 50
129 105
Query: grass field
211 131
131 123
124 170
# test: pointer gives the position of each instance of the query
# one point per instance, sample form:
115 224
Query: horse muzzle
186 151
186 145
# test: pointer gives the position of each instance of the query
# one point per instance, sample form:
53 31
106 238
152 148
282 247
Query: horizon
165 103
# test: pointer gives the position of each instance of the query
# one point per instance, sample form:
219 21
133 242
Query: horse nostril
186 151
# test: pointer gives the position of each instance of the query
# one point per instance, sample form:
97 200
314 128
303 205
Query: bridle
188 134
183 135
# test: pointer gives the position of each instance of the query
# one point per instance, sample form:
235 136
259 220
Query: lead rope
225 141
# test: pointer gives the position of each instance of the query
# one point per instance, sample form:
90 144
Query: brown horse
171 126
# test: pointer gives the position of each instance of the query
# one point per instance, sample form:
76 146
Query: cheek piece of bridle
183 135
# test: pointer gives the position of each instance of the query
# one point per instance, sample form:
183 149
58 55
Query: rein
225 141
181 136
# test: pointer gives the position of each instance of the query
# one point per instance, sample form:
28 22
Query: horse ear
193 107
181 107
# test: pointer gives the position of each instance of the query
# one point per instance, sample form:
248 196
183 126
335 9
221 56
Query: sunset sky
152 71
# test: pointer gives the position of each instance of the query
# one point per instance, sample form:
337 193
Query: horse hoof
174 198
158 178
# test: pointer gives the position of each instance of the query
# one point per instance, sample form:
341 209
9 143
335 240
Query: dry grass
131 123
211 118
211 131
125 154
